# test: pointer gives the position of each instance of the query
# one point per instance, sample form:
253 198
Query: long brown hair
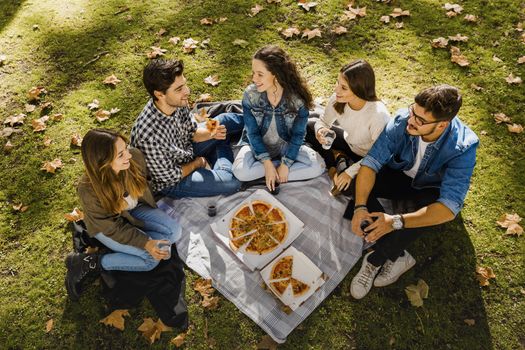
98 152
286 72
362 81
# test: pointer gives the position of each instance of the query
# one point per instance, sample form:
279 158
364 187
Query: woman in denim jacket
275 109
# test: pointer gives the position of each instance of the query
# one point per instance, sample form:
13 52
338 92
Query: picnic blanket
327 240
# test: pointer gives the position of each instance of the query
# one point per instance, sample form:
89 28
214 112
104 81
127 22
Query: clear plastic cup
165 247
329 137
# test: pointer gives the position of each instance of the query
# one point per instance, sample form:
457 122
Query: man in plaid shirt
183 160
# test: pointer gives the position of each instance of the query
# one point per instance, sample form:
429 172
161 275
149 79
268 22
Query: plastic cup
276 189
165 247
212 208
329 137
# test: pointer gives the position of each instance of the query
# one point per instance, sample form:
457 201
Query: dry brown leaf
339 30
178 340
49 325
102 115
222 19
56 117
240 42
206 21
76 140
515 128
155 52
501 118
521 60
203 286
523 38
353 13
20 207
114 110
289 32
152 330
471 18
416 293
273 1
457 57
8 146
458 37
212 80
205 43
255 10
29 108
174 40
46 105
6 132
398 12
496 59
267 343
47 141
13 120
484 274
204 98
161 32
511 79
484 132
35 93
307 5
451 14
93 105
210 303
399 25
519 27
310 34
189 45
40 123
115 319
52 166
385 19
476 87
439 43
454 7
112 80
469 321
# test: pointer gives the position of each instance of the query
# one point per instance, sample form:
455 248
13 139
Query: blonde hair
98 152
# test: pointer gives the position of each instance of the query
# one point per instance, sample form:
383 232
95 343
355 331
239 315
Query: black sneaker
79 266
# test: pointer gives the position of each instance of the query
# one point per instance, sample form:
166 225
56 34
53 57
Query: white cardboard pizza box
221 229
303 269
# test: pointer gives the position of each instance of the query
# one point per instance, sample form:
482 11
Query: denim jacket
291 117
448 163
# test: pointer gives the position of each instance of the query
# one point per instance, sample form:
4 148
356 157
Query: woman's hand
283 171
152 248
270 174
319 135
342 181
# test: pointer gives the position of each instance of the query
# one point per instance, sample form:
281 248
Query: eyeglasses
419 120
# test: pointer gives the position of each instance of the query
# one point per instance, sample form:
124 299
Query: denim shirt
448 163
291 117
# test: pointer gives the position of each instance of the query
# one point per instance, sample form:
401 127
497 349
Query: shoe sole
71 291
394 281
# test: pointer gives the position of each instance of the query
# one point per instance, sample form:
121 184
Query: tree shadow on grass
8 11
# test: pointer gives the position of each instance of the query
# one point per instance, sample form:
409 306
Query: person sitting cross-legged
425 154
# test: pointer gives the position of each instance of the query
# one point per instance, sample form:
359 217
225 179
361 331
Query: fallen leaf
161 32
46 105
204 98
454 7
156 52
178 340
52 166
202 116
511 79
3 59
457 57
289 32
470 321
399 25
267 342
152 330
93 105
255 10
189 45
439 43
47 141
476 87
40 123
20 207
212 80
114 110
35 92
307 5
484 274
203 286
13 120
56 117
471 18
515 128
76 140
36 27
339 30
311 33
174 40
451 14
458 37
353 13
398 12
29 108
484 132
205 43
8 146
49 325
496 59
385 19
210 303
240 42
206 21
519 27
102 115
416 293
112 80
521 60
501 118
273 1
6 132
115 319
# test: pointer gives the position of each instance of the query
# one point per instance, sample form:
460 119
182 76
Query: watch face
397 223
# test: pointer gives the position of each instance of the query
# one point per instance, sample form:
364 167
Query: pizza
281 277
211 125
258 227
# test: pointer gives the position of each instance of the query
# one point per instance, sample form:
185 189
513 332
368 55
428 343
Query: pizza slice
298 287
279 231
276 215
279 286
237 243
211 125
262 243
282 268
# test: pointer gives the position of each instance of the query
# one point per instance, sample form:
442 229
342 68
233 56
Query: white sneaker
362 282
392 270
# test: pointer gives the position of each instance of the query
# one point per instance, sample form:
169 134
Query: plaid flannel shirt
165 141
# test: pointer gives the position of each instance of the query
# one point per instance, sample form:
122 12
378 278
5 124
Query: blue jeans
157 225
219 180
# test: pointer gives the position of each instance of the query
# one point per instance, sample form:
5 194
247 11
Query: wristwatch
397 222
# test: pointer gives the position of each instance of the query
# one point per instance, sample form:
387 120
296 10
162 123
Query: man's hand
270 174
219 133
342 181
282 172
154 251
319 135
360 216
380 227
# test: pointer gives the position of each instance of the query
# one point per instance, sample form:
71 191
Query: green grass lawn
51 43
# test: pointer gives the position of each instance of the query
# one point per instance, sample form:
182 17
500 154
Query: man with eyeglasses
425 154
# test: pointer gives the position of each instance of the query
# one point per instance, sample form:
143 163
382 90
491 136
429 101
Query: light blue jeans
157 225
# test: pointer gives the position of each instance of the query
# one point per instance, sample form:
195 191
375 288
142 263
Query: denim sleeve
253 132
456 180
298 134
383 148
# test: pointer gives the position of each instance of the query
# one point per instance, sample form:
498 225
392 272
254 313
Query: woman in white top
361 117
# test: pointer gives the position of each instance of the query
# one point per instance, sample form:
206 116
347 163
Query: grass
34 243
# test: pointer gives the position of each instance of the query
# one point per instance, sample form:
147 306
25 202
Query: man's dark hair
159 74
443 101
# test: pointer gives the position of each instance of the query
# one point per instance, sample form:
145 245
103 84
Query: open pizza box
255 261
303 270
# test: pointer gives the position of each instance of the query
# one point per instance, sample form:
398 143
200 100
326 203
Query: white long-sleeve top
361 128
